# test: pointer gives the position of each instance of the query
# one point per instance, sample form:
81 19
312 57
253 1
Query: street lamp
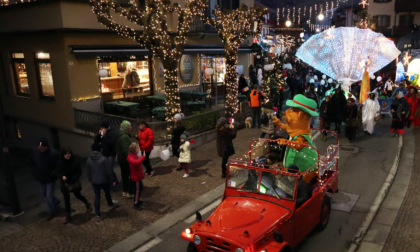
321 17
210 71
288 23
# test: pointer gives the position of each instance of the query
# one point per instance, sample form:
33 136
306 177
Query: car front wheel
191 247
325 213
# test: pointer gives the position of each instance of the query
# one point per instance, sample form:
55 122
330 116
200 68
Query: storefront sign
186 68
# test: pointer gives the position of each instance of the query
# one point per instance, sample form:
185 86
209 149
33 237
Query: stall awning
125 51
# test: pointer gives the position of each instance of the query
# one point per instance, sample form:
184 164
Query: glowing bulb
288 23
321 17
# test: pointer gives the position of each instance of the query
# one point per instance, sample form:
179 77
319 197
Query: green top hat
303 103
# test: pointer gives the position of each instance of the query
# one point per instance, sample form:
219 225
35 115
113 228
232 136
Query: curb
364 227
159 226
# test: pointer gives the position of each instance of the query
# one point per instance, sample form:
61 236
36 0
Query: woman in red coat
136 172
146 141
412 100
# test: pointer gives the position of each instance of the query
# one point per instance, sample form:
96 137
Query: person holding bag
69 171
225 133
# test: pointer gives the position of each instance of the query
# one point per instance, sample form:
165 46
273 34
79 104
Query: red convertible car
266 207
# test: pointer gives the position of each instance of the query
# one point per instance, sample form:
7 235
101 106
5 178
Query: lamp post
210 71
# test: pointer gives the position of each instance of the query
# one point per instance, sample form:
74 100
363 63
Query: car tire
191 247
325 213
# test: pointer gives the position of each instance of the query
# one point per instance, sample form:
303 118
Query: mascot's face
296 118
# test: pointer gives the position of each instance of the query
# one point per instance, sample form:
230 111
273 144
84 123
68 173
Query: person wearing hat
225 133
43 162
297 119
177 131
184 155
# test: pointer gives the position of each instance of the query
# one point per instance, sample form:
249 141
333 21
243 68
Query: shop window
406 20
20 74
382 20
45 79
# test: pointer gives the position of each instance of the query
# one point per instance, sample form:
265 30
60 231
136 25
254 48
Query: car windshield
277 184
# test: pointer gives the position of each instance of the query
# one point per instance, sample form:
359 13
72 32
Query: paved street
362 173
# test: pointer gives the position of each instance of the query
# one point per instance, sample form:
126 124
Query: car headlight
197 240
239 250
188 231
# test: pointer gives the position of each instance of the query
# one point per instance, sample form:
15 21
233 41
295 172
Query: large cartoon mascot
297 119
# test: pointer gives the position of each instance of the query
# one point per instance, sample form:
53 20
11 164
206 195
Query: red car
265 207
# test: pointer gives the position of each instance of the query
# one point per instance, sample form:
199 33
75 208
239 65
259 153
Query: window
382 20
20 74
223 4
406 20
44 74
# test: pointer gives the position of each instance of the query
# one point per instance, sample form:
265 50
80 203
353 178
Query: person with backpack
267 115
254 103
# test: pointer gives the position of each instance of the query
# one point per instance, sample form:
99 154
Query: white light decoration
321 17
301 35
406 58
288 23
337 52
330 80
311 81
324 76
208 71
379 79
364 3
322 82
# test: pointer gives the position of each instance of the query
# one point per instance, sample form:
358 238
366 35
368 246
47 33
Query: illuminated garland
166 45
233 27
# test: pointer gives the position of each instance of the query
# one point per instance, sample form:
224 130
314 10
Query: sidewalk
164 193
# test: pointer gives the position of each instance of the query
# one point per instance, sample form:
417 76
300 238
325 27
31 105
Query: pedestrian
146 141
401 87
255 98
184 155
136 172
177 131
350 121
43 162
388 87
324 119
123 140
100 175
267 128
225 133
243 87
399 109
311 94
107 137
412 100
338 105
253 75
69 171
370 110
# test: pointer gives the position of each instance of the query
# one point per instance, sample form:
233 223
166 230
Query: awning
125 51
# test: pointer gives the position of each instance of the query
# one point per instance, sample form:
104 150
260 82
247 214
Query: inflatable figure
297 119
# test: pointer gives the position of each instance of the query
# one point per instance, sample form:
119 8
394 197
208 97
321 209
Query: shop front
213 81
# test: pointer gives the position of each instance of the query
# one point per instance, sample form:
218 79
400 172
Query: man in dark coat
107 138
225 133
338 105
43 163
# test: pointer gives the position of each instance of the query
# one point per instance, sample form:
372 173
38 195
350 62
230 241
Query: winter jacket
98 169
136 169
254 98
224 137
146 139
43 165
184 153
122 142
108 142
268 128
70 168
176 135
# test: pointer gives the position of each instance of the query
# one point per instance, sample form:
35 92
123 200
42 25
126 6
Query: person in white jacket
388 87
184 155
370 110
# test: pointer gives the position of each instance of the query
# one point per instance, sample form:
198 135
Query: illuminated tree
166 45
233 27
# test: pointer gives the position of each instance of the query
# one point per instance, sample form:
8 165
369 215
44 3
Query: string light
234 27
156 35
364 3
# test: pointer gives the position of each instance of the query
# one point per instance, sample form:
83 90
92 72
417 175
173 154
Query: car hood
235 215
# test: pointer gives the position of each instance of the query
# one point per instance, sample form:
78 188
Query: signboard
186 68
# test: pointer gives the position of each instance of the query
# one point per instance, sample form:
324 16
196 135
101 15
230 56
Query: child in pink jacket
136 172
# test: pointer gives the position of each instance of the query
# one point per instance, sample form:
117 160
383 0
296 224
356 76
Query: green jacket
303 158
122 142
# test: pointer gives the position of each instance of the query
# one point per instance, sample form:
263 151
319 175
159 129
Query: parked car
264 206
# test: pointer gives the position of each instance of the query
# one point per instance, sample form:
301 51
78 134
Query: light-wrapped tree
166 45
233 27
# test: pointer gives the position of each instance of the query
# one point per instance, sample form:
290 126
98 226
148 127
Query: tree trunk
173 102
232 103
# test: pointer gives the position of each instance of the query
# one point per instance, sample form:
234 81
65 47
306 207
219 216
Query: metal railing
196 124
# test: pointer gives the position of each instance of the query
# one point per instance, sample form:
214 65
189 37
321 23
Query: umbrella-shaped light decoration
343 52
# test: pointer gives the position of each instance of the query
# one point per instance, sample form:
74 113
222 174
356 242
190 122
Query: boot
88 207
67 219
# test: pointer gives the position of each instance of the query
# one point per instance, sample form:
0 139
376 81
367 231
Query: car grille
216 245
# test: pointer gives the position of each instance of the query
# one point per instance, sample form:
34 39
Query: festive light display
338 51
364 3
156 36
406 58
233 27
365 23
